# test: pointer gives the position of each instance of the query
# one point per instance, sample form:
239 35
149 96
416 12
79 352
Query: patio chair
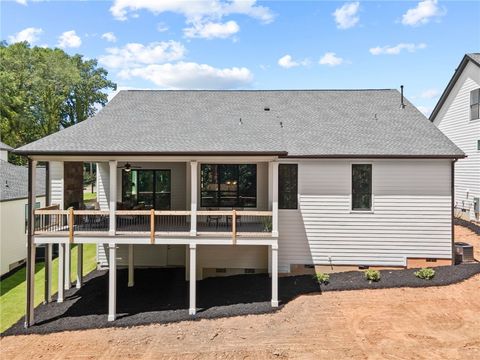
213 218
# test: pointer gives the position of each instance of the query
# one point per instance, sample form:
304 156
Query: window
475 104
37 206
149 187
287 186
478 145
361 187
228 185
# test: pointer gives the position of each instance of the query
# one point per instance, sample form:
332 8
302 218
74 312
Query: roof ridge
256 90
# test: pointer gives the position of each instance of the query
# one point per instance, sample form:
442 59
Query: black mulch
161 296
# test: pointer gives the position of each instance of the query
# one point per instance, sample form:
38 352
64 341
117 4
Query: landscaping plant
322 278
372 275
425 273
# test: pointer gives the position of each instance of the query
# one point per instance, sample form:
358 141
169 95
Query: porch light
127 167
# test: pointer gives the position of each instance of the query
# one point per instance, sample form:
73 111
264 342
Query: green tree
45 90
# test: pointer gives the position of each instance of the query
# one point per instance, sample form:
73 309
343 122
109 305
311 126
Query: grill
463 253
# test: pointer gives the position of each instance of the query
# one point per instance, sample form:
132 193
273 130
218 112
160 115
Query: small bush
372 275
322 278
425 273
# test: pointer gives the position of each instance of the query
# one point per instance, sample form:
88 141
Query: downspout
452 196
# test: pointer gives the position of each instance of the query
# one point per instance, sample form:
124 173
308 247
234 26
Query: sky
248 44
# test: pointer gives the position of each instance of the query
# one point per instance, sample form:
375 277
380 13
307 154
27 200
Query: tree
45 90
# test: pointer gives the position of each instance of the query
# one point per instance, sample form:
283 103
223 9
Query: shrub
425 273
322 278
372 275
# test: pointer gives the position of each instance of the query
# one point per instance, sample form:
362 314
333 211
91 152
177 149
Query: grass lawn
13 288
87 196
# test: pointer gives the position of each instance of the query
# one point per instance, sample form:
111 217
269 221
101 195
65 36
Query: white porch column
112 282
274 198
131 270
68 256
113 196
79 266
274 256
48 274
193 281
30 266
61 271
193 197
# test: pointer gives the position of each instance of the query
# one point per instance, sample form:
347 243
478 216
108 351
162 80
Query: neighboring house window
151 188
475 104
478 144
228 185
37 206
287 186
361 187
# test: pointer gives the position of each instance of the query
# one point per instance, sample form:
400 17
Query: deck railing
152 223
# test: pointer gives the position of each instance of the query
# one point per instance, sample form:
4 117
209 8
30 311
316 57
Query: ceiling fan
127 167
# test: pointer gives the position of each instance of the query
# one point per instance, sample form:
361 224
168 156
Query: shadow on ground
161 296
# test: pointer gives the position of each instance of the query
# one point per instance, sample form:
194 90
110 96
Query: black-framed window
475 104
149 187
287 186
361 187
228 185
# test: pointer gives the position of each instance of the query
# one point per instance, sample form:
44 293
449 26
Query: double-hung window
287 186
475 104
361 187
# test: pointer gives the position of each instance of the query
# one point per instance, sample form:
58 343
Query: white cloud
346 16
162 27
426 110
395 50
30 34
69 39
134 54
109 36
331 59
203 17
287 62
22 2
190 75
422 13
430 94
212 30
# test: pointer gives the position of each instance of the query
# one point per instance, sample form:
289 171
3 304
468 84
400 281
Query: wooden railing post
152 226
70 224
234 226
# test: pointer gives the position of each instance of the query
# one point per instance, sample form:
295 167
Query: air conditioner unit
463 253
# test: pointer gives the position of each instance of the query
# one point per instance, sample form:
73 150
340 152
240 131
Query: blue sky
259 45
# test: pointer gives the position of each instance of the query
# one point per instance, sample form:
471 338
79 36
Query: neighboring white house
229 182
13 210
457 115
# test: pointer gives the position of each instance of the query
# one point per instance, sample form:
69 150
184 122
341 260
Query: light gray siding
56 183
410 217
454 121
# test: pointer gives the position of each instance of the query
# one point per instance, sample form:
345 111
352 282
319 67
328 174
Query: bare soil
405 323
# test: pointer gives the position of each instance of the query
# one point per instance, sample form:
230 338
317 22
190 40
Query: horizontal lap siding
411 215
454 121
56 183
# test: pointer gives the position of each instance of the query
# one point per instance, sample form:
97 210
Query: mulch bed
161 296
468 224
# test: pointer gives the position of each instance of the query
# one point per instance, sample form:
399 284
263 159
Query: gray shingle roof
300 123
474 57
4 146
14 181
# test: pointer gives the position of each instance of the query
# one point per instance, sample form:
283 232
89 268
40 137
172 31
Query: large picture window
228 185
151 188
361 187
287 186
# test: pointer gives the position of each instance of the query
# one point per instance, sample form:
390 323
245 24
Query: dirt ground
433 323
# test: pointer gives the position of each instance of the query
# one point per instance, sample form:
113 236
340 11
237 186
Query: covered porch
206 207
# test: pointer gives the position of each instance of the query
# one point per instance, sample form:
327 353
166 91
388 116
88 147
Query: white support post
61 271
274 257
131 280
275 199
112 282
79 266
113 196
193 197
30 266
68 256
193 283
48 282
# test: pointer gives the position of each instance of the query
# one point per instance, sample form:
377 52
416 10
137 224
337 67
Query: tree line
44 90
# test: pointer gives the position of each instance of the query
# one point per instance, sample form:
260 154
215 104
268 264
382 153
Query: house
13 210
228 182
457 115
